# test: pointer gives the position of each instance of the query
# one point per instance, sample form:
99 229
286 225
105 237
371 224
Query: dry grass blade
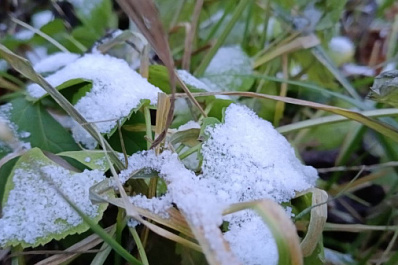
317 222
145 16
84 245
163 108
376 125
296 44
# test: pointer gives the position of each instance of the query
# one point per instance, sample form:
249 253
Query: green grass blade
235 17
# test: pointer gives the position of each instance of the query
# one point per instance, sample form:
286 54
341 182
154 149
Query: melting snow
117 89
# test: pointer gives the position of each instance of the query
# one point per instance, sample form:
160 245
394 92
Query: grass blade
378 126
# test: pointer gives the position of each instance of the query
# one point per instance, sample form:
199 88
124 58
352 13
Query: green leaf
30 198
159 77
218 107
72 90
97 17
93 159
227 72
5 171
209 121
134 141
385 88
317 257
45 132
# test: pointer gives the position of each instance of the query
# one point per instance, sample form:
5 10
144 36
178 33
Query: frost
55 61
117 89
34 209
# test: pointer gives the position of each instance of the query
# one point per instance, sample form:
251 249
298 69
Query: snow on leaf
257 162
223 72
116 91
54 62
34 212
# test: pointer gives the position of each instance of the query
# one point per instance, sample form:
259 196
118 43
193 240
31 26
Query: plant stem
190 151
148 126
140 247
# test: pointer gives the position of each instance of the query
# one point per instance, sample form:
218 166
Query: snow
117 89
191 80
24 34
85 6
34 209
185 190
189 125
36 55
55 61
42 18
157 205
244 159
341 44
3 65
257 162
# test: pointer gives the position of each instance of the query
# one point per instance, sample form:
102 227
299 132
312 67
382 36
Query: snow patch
54 62
117 89
34 209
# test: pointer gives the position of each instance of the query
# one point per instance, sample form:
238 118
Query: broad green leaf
72 90
45 132
210 121
159 77
96 16
93 159
143 102
33 211
5 171
134 141
218 106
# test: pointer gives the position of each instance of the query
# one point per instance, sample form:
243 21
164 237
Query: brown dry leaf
145 16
